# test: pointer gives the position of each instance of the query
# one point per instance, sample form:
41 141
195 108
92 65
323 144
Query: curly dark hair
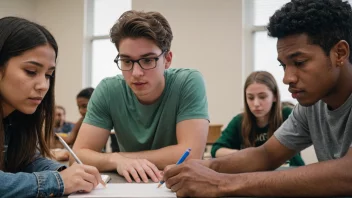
325 22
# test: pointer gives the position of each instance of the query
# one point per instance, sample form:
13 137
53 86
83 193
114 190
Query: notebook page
128 190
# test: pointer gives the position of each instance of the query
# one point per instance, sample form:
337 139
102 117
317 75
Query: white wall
207 37
19 8
65 20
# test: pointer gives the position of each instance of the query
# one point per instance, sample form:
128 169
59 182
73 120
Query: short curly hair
137 24
325 22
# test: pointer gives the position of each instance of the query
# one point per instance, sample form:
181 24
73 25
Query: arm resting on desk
329 178
190 134
89 143
269 156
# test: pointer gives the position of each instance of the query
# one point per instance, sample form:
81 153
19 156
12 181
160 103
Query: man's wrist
115 158
228 184
212 164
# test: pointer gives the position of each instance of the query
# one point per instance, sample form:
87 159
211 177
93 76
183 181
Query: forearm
224 151
102 161
165 156
42 164
44 184
239 162
329 178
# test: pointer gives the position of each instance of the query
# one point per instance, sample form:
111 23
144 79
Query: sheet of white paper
128 190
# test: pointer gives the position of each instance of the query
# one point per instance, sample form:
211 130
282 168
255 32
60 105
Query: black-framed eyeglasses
125 64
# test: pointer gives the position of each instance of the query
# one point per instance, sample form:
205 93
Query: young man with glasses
156 112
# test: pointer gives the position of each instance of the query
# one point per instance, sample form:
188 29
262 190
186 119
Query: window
264 47
263 9
101 52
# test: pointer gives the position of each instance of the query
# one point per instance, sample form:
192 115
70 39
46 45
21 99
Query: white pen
72 153
69 149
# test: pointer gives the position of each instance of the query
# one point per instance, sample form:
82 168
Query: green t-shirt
141 127
231 137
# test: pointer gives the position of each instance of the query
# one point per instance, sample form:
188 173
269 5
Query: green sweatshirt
231 137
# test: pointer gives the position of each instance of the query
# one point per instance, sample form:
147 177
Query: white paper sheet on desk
128 190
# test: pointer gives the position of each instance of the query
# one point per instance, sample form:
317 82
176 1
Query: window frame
249 48
89 36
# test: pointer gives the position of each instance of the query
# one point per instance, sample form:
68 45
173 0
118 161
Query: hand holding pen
79 177
182 159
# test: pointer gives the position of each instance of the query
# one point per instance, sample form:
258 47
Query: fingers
139 170
171 181
85 186
78 178
155 170
176 184
89 178
126 174
171 171
134 174
168 167
94 171
150 173
141 173
176 187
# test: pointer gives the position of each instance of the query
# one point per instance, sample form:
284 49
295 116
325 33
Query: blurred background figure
82 100
61 125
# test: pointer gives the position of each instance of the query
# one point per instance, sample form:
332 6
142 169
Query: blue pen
183 157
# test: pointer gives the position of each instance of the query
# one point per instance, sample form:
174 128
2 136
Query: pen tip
159 185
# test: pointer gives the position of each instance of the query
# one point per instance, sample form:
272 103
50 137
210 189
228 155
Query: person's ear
341 53
168 59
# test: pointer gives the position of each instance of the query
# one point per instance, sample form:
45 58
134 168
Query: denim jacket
38 179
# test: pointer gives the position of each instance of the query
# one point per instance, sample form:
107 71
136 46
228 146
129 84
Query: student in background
28 55
263 114
314 48
61 125
154 110
82 100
